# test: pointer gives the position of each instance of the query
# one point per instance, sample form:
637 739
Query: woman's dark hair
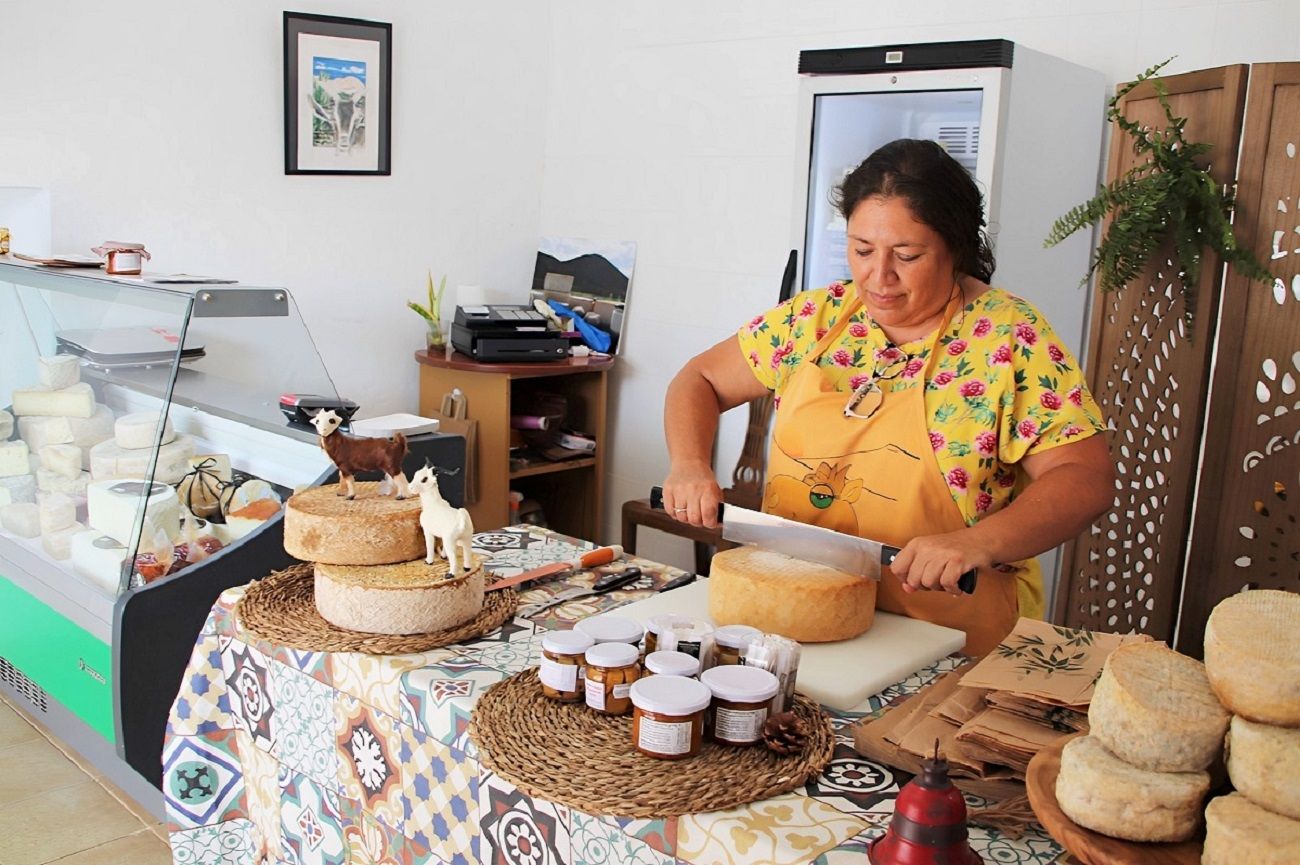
939 192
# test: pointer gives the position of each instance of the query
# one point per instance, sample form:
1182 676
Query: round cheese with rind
778 594
1252 655
140 430
1264 765
320 525
1153 708
1101 792
404 598
1238 832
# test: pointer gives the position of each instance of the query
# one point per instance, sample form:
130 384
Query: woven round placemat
567 753
281 608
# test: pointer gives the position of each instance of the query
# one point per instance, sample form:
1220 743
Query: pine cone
785 733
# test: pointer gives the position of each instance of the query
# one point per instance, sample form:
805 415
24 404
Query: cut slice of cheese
55 511
75 401
777 594
13 459
99 559
39 432
62 459
1100 792
52 482
1252 655
1153 708
110 460
58 372
58 544
1238 832
140 430
1264 765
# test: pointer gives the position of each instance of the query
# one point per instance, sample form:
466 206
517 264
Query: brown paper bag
453 418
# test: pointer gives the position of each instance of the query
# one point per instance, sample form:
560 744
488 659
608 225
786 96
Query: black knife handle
966 582
677 582
616 580
657 501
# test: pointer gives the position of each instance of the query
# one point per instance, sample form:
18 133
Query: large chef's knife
847 553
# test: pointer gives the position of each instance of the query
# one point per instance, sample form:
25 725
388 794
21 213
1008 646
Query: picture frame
338 95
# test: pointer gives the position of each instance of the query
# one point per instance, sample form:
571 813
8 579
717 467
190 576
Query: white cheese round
1264 765
1238 832
1252 655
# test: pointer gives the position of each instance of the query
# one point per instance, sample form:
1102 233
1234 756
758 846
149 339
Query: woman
915 405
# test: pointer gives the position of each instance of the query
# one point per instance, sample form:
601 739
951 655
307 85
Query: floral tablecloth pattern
275 755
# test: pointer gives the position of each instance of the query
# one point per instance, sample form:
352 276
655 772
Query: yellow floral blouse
1002 387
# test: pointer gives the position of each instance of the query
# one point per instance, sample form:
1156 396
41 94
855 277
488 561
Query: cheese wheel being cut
1252 655
1238 831
404 598
1153 708
1100 792
777 594
1264 765
322 526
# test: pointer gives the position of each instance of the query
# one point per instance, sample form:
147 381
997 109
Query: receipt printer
506 334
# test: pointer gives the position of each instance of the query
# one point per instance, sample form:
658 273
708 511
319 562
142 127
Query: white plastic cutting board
840 675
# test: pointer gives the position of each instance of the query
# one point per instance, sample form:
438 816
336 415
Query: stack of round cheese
1252 658
370 573
778 594
1155 727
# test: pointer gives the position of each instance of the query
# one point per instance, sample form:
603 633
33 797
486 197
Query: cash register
502 333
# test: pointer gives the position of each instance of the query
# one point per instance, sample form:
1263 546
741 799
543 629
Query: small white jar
672 664
668 716
731 641
741 698
562 669
611 629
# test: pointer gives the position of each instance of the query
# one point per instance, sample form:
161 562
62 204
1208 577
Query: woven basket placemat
567 753
281 609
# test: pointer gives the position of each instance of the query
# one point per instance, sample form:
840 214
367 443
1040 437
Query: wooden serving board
1092 848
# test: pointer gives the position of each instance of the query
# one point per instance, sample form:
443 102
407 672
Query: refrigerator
1026 125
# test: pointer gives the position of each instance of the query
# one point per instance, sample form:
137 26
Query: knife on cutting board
847 553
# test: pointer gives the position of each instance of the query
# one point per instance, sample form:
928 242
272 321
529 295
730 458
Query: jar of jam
671 664
741 698
729 641
668 716
561 667
612 668
611 629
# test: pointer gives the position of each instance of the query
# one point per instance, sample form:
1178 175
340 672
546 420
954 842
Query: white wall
162 122
667 122
682 134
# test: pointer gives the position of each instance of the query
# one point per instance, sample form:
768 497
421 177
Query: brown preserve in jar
668 716
612 668
741 697
561 670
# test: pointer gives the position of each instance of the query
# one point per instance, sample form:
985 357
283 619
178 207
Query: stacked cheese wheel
1252 657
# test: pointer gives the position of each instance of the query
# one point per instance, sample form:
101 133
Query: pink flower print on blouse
1027 429
754 359
1001 356
982 327
986 443
842 357
1049 399
889 354
937 441
835 289
983 502
809 308
1071 431
942 379
858 330
1026 335
756 322
956 347
820 333
858 381
779 356
914 366
1075 395
1006 480
776 402
958 478
974 387
1055 353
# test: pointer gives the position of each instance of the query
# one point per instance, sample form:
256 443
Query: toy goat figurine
353 455
452 527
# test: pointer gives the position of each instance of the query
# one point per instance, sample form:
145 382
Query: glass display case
144 457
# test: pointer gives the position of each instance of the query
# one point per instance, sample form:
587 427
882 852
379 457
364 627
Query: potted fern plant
1168 195
432 314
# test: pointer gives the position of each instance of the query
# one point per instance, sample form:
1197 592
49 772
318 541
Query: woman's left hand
938 561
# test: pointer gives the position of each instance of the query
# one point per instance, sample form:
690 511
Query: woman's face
901 267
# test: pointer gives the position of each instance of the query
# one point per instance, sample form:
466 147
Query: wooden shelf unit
569 491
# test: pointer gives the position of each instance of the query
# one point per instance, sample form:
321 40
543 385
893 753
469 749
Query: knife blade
607 583
848 553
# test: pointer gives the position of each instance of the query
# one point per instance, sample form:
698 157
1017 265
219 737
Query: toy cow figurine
443 523
353 455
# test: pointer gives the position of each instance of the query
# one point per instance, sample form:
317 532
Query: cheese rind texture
58 372
1252 655
1100 792
322 526
109 460
22 519
1153 708
78 400
13 459
404 598
1264 765
778 594
1237 832
21 488
62 459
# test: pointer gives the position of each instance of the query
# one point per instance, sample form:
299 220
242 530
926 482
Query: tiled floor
53 809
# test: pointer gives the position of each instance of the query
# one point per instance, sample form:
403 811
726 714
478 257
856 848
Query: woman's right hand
692 494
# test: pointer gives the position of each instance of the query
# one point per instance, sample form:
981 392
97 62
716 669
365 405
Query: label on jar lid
561 677
664 738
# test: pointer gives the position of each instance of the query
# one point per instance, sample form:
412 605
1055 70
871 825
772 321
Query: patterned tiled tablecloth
275 755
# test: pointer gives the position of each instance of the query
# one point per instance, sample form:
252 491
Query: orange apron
878 478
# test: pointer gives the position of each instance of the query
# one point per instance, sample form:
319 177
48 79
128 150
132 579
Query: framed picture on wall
338 95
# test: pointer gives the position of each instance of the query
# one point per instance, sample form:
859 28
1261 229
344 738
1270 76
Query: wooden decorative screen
1149 374
1248 499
